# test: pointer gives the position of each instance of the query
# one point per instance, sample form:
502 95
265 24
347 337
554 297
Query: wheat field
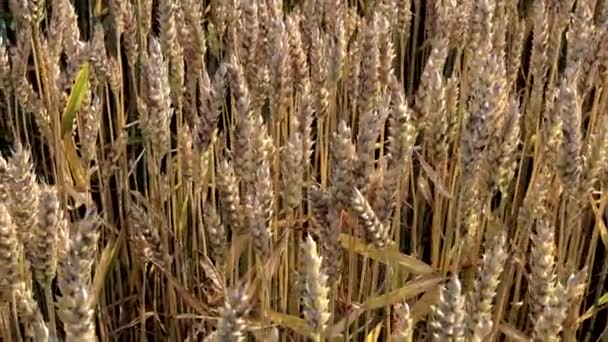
303 170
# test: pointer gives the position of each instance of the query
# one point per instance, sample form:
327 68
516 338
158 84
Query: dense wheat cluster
303 170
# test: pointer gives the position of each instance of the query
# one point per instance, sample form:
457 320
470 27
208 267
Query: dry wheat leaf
336 330
388 255
513 333
424 304
212 272
434 178
103 266
192 301
293 323
410 290
239 245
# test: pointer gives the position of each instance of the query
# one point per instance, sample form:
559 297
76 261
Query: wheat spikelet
297 55
401 138
145 236
480 319
231 325
9 272
328 231
43 256
129 37
334 17
249 39
291 167
29 312
259 211
551 320
282 73
216 233
353 76
98 56
5 67
580 34
448 320
404 327
158 101
4 182
319 71
344 157
542 264
23 193
596 157
230 202
377 233
91 121
370 124
433 105
305 119
315 296
506 150
568 107
370 67
74 305
187 152
244 153
213 96
483 111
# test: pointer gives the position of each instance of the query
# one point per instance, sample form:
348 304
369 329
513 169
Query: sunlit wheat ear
305 120
155 124
130 39
292 169
144 234
5 66
430 98
244 152
542 265
377 233
231 325
282 73
569 108
229 197
23 201
403 328
172 49
4 182
551 321
344 158
75 309
319 71
91 118
315 297
480 316
402 135
297 55
324 214
43 256
211 103
505 153
187 153
596 158
9 257
259 230
29 313
449 314
370 125
216 234
370 67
